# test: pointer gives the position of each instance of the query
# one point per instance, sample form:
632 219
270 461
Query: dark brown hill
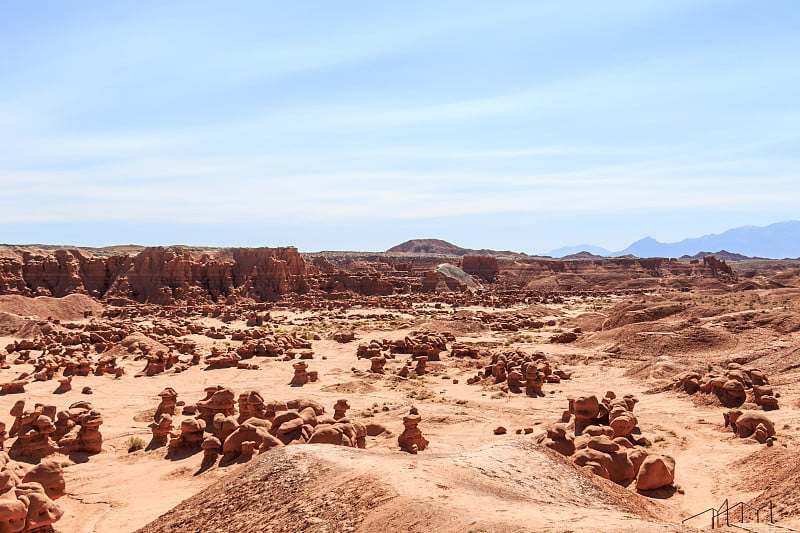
724 255
440 247
581 255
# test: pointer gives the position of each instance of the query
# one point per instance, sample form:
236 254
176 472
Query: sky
356 125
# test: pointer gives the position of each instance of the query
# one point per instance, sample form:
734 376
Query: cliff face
168 275
156 275
614 274
483 267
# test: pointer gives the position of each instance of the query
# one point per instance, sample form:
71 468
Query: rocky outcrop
483 267
447 277
156 275
608 443
166 275
28 494
619 273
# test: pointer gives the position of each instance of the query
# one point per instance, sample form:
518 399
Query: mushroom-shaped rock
282 418
191 436
169 399
13 513
251 404
411 439
765 397
222 400
623 423
301 403
656 471
340 409
161 430
211 449
586 409
745 423
300 377
596 461
557 439
273 407
50 476
224 426
64 385
421 368
376 365
42 511
232 447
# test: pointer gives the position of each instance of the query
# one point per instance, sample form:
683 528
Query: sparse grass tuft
420 394
135 443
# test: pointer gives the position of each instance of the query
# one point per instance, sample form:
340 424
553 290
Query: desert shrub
135 443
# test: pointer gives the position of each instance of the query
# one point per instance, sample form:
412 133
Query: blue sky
358 125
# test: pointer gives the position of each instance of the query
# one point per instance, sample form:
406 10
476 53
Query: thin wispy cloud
284 117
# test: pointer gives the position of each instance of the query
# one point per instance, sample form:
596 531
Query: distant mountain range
566 251
776 241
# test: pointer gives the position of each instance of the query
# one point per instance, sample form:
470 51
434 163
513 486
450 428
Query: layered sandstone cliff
177 274
156 275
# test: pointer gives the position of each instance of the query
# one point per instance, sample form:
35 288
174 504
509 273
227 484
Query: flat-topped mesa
170 275
157 275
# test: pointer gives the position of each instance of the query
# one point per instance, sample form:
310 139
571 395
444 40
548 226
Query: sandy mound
332 488
456 327
586 321
563 282
782 365
21 328
351 387
136 344
776 472
70 307
642 341
624 314
781 321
